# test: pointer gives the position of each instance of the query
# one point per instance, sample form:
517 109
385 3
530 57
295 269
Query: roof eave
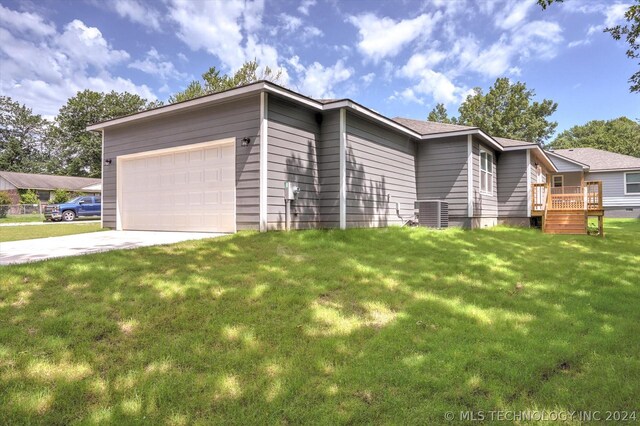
474 131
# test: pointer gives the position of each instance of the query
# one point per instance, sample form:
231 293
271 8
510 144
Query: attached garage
188 188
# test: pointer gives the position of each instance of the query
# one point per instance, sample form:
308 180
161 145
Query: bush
29 197
5 202
60 196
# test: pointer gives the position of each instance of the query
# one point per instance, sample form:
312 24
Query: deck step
573 222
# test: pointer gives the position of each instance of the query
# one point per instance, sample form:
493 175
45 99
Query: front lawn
29 232
361 326
21 218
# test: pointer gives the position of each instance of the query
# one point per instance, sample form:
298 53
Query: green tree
23 138
60 196
29 197
507 110
80 150
5 201
620 135
629 31
439 115
213 81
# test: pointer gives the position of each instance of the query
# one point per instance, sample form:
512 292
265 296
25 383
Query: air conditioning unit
433 213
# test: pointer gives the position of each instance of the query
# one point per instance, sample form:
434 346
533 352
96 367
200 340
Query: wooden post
601 225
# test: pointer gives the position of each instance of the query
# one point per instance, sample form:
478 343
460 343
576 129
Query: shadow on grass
385 325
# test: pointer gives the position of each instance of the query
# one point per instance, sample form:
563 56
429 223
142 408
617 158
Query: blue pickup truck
83 206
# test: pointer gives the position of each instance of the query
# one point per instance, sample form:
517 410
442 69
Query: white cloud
219 28
182 57
614 14
577 43
367 79
380 38
138 13
305 6
513 14
431 83
156 64
47 69
26 22
319 81
289 23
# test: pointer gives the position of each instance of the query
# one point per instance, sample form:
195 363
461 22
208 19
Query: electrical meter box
290 191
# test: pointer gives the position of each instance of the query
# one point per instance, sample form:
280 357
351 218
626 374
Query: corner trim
102 182
528 183
343 168
470 176
264 125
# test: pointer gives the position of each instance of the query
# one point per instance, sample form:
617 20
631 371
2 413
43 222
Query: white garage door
191 189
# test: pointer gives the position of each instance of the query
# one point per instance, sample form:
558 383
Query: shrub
29 197
60 196
5 201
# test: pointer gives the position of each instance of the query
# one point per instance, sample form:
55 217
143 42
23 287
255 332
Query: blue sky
397 57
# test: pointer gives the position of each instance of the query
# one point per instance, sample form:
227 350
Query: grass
21 218
15 233
361 326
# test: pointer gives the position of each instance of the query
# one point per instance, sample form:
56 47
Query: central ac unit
433 213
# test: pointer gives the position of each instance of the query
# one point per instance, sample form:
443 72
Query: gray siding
380 173
237 119
564 165
512 184
570 178
5 185
613 189
328 151
292 156
442 173
484 205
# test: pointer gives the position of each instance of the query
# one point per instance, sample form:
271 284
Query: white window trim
553 181
625 183
490 193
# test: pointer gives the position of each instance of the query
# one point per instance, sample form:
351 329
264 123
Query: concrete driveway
73 245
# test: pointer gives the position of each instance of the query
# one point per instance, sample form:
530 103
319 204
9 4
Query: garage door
191 189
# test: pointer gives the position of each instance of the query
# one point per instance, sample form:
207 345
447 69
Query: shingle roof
430 127
598 159
512 142
34 181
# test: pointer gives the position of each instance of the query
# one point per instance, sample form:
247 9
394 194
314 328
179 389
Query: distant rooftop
36 181
430 127
598 159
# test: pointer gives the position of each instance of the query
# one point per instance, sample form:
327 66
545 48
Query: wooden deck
566 209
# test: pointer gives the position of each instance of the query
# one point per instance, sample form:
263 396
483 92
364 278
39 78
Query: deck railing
587 197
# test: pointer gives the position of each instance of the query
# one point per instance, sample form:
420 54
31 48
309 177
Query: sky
399 57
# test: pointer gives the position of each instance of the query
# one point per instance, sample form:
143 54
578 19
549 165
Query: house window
558 181
43 195
632 183
486 172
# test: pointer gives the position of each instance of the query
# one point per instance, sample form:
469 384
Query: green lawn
20 218
361 326
28 232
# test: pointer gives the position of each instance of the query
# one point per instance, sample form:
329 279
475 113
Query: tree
507 110
213 81
620 135
60 196
29 197
439 115
630 31
23 138
82 150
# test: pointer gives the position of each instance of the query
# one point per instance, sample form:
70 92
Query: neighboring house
619 174
44 185
220 163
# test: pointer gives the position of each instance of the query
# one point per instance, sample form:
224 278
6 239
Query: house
44 185
619 174
220 163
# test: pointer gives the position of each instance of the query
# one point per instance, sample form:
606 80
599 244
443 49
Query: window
632 183
558 181
86 200
98 200
486 172
43 195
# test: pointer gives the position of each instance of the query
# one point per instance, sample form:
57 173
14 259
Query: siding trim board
343 168
528 183
469 176
264 161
